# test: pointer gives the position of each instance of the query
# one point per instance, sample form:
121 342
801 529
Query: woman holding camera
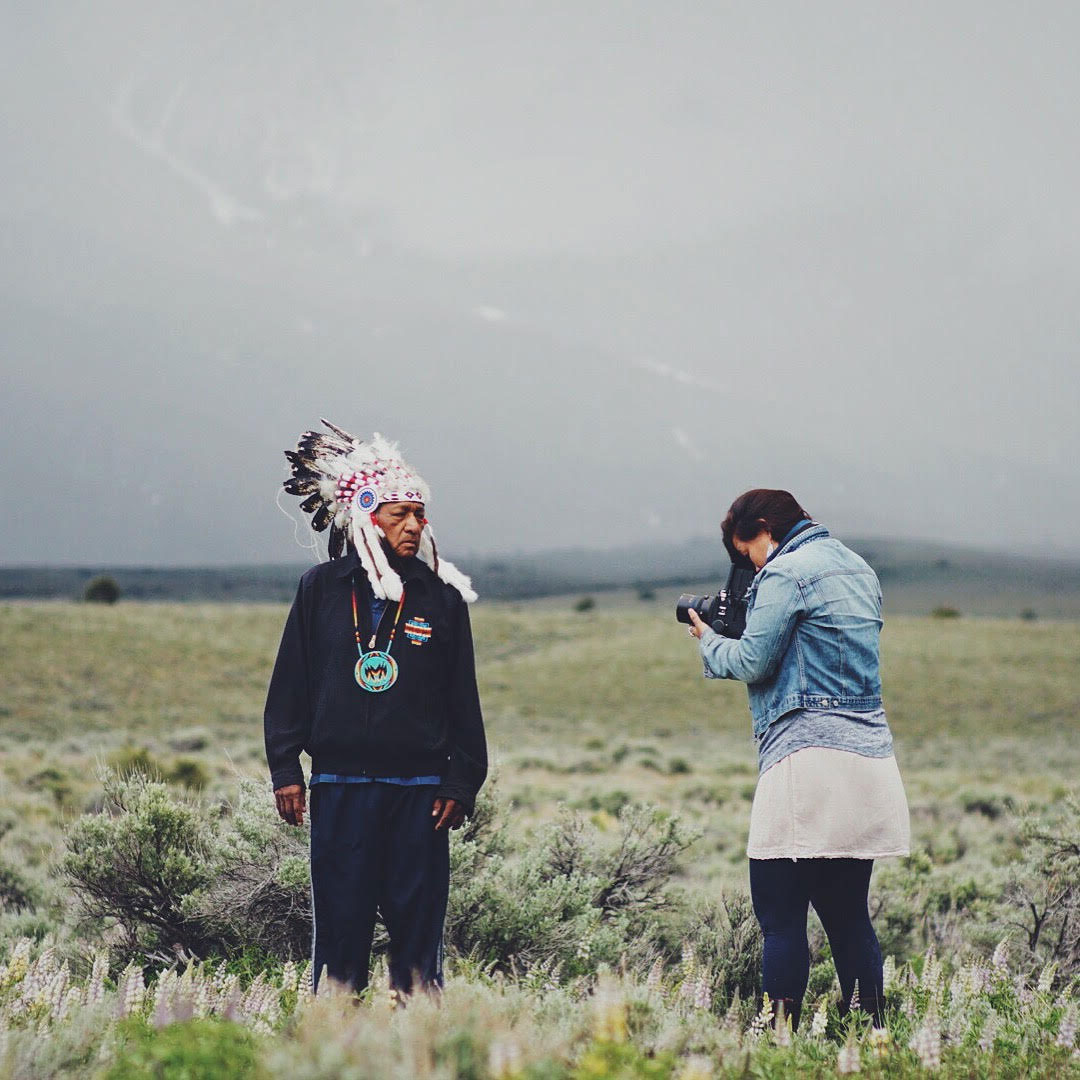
829 798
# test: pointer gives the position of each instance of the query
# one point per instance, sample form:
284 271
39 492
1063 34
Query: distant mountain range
916 578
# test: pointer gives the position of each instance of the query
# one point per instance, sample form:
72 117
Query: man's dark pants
374 849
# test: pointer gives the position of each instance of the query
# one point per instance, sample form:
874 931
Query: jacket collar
805 535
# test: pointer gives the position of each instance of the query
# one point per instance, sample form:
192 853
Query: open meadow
589 713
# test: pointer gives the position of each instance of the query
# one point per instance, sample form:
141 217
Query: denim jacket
811 638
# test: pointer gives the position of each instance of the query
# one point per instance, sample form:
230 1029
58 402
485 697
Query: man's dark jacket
427 723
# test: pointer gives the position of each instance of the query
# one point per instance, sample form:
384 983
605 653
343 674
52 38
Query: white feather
384 582
453 576
447 571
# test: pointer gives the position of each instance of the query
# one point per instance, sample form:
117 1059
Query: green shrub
134 864
189 773
570 901
136 759
16 893
171 875
943 611
55 781
183 1051
1044 887
101 590
585 603
259 893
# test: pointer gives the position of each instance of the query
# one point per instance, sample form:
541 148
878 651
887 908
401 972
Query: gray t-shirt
865 733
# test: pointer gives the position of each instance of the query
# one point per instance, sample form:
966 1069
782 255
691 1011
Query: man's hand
290 803
697 627
448 814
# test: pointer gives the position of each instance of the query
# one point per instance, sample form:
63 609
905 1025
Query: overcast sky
598 266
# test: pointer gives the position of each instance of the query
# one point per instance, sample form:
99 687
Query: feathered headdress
344 481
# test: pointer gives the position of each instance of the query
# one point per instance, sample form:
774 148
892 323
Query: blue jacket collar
803 533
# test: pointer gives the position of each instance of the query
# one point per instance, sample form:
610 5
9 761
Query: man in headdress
375 679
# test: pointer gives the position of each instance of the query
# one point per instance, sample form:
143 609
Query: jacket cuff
288 776
459 795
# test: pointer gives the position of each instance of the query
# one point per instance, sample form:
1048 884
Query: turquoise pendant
376 671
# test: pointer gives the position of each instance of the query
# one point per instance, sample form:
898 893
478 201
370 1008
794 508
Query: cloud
226 209
685 378
684 441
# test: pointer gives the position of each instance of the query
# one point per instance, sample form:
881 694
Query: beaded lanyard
376 670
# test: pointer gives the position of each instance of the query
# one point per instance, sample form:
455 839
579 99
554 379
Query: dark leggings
782 889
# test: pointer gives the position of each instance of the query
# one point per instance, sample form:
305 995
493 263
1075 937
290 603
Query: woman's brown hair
757 510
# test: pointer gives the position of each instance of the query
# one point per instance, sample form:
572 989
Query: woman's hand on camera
696 627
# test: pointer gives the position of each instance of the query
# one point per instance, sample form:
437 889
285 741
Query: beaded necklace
376 670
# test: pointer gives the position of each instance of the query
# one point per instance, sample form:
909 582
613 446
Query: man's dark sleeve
287 716
468 746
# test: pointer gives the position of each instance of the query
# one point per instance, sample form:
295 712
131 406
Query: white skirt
819 803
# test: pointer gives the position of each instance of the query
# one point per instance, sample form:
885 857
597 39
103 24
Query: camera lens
687 601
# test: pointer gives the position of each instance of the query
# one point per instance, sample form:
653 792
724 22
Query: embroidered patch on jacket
418 631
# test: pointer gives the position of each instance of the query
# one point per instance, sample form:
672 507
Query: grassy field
581 708
589 710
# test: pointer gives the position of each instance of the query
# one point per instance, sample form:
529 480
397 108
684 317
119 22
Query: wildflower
931 971
999 962
926 1042
203 998
988 1033
847 1061
888 973
228 996
1046 977
17 966
95 989
610 1023
760 1024
821 1019
654 979
695 1068
782 1027
584 949
304 986
72 1000
853 1004
959 1022
702 993
504 1059
731 1017
290 977
1066 1035
689 963
132 990
879 1042
55 991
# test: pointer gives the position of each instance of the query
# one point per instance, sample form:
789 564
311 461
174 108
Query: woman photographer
829 798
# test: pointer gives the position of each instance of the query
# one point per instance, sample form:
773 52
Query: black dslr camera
726 611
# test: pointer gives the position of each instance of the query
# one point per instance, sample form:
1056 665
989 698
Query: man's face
402 522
